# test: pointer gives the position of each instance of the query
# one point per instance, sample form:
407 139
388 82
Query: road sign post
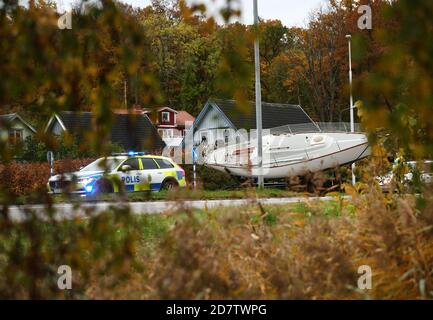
50 159
194 161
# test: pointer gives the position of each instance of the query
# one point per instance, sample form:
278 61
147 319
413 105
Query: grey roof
8 117
131 132
273 115
11 117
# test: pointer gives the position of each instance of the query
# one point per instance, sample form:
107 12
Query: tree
397 92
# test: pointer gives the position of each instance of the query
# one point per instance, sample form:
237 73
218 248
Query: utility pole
125 94
352 119
260 181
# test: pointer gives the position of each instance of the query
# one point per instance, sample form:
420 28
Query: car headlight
86 181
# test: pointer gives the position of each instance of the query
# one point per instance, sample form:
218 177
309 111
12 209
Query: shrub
31 252
210 179
252 252
25 178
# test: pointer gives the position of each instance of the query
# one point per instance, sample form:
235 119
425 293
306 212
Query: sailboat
290 154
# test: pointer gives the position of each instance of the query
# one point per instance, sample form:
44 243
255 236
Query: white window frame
206 134
168 117
166 133
226 136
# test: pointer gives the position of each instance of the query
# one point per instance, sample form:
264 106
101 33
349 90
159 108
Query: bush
32 251
304 252
210 179
25 178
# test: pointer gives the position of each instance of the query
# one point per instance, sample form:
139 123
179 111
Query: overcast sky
290 12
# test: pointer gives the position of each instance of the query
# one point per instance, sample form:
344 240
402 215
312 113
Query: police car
129 172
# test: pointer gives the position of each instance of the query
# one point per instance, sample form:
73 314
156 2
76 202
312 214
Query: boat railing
315 127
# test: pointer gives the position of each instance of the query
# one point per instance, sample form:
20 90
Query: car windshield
108 164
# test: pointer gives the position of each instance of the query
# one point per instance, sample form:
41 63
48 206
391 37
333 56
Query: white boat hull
291 155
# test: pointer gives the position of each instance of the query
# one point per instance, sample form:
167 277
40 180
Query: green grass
154 226
186 194
175 195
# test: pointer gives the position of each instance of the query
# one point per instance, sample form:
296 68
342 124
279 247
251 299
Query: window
15 136
226 136
148 164
133 163
166 133
108 164
164 164
165 117
203 137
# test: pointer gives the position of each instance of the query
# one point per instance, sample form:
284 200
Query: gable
55 126
14 120
171 116
212 118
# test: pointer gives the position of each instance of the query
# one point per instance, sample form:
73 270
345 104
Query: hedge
25 178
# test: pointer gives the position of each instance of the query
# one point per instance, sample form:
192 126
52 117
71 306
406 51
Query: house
14 129
171 124
131 131
223 121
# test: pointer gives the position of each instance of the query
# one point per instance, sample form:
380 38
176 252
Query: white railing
316 127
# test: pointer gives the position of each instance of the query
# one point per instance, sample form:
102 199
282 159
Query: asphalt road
71 211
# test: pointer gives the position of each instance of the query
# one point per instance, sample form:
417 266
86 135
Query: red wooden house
171 124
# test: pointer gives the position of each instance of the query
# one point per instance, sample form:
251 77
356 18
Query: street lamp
260 179
352 120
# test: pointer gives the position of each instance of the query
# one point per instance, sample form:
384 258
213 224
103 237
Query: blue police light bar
129 153
132 153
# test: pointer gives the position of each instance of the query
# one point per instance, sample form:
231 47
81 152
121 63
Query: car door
133 178
167 168
152 174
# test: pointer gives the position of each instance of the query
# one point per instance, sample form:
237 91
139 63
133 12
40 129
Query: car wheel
103 186
169 185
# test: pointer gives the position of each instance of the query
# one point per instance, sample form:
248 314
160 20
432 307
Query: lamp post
352 120
258 99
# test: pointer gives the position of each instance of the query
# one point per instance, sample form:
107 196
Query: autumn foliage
167 55
27 178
